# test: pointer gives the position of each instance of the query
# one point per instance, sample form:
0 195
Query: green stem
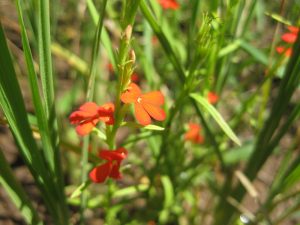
90 96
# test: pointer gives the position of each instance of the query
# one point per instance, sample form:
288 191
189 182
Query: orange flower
89 115
212 97
289 38
169 4
111 167
193 134
145 105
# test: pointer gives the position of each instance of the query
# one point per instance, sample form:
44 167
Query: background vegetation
57 55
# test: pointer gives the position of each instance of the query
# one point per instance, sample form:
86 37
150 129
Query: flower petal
122 151
169 4
79 116
115 171
106 113
117 155
89 107
280 49
154 111
287 51
289 37
85 128
141 115
100 173
131 94
293 29
154 98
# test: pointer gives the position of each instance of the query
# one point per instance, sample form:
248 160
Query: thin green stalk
180 71
125 60
89 97
46 73
105 36
44 39
267 86
195 6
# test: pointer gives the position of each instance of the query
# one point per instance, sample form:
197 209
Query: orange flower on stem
145 105
169 4
89 114
193 134
212 97
289 38
111 167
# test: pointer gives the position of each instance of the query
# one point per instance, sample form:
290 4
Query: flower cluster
146 106
289 38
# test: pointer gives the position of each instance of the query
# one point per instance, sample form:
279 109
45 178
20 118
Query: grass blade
217 116
17 193
14 110
104 37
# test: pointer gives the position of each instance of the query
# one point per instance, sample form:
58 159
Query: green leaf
13 106
229 48
148 127
254 52
238 154
36 96
278 18
78 191
99 133
17 193
168 191
293 178
168 200
217 116
128 191
153 127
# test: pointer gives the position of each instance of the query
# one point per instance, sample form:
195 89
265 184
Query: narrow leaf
17 193
217 116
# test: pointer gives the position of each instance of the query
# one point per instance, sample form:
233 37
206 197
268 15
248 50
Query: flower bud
128 32
132 56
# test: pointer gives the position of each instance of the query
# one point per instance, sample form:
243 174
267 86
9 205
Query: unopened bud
132 56
128 32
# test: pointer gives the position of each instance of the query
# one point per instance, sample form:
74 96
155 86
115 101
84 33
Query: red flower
169 4
287 51
193 134
135 78
89 115
110 67
111 167
289 38
212 97
145 105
